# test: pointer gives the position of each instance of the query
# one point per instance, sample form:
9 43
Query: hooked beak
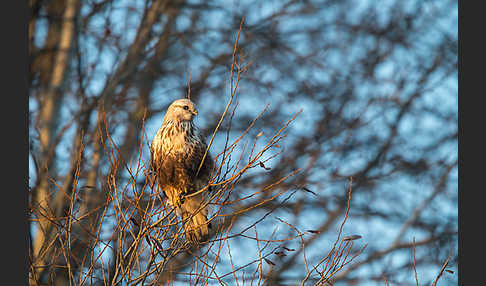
194 112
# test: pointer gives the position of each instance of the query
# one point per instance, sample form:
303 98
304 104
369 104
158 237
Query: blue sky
445 95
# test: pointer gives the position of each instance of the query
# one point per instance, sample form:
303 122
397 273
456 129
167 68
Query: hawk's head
181 110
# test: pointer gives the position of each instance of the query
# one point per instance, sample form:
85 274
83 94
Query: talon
179 200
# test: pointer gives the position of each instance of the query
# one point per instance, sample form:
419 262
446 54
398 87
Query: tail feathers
196 227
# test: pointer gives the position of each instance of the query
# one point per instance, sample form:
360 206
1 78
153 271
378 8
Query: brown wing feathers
176 152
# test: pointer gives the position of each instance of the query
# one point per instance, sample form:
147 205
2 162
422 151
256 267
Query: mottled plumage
176 153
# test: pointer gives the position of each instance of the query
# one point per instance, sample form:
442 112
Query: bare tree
333 125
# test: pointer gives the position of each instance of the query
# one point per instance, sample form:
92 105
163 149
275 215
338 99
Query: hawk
176 154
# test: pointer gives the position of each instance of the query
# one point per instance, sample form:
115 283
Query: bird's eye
186 107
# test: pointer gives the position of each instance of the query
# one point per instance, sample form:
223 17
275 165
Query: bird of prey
176 154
